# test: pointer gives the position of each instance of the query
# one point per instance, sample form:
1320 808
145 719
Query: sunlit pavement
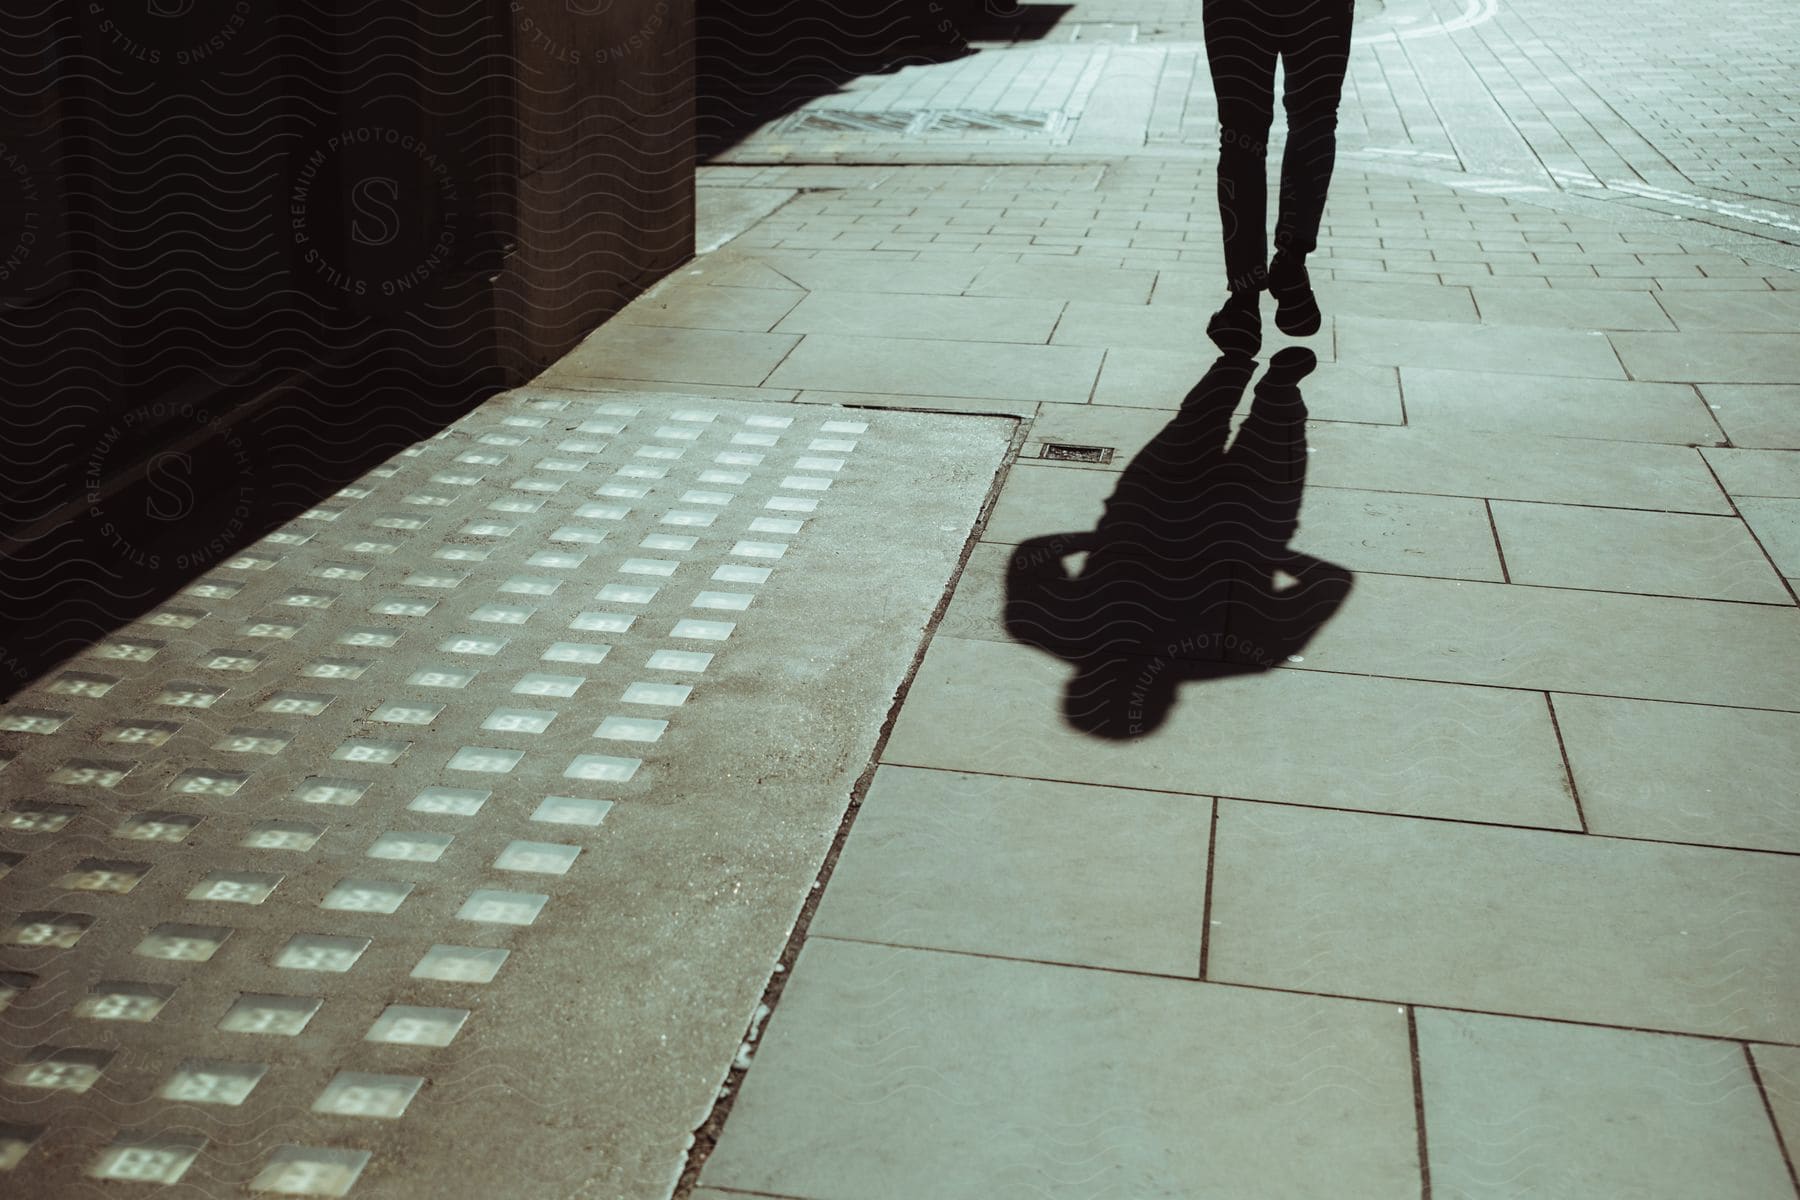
446 842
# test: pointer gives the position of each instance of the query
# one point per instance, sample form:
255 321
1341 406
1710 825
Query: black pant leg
1241 45
1315 53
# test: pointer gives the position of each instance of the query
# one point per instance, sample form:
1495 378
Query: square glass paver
212 1081
276 1016
540 858
490 906
138 1157
366 895
321 952
571 810
183 943
123 1000
460 802
362 1094
411 1025
60 1069
411 847
310 1171
460 964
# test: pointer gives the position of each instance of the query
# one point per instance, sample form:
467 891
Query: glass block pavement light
440 843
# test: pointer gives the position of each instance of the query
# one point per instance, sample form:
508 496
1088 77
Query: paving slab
1711 357
1446 536
1167 326
1577 354
1508 466
859 273
1574 309
1064 283
1779 1069
497 779
960 318
840 363
1776 524
1756 472
691 305
1390 745
1758 416
1684 939
1648 647
894 1072
1517 1107
1504 402
1684 772
1024 868
1740 312
1625 550
623 351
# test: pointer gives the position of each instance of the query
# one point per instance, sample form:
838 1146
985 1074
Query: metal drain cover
1064 452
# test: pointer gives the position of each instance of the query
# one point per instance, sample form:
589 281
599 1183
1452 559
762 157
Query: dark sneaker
1296 308
1237 327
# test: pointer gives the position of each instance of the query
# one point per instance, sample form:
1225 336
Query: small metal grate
926 122
1063 452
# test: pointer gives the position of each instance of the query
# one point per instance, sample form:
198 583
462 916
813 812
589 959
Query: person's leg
1240 50
1314 55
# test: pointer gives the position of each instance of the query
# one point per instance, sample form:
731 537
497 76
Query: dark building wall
251 247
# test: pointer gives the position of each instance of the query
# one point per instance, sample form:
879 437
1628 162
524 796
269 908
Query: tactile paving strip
268 851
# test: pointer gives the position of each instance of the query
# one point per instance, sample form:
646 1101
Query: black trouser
1243 40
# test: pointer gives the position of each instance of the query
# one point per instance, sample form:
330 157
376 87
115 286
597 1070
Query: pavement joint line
1762 1091
1465 822
705 1136
1244 985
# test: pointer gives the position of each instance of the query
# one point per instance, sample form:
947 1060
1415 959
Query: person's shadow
1188 575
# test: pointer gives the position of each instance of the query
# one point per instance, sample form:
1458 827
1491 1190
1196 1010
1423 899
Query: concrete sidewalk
1486 891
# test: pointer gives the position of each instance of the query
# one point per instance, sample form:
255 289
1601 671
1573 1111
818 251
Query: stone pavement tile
718 391
1765 416
1575 309
1024 868
1741 312
892 1072
691 306
1590 408
858 273
968 404
1684 772
1711 357
1166 327
1400 301
1776 524
1064 283
731 270
958 318
1651 647
841 363
1757 472
1542 1108
1456 462
1390 745
1477 347
620 351
1446 536
1410 301
1779 1067
1136 377
1688 939
1628 550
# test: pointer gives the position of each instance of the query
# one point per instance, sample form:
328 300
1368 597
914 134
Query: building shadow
1188 576
757 61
